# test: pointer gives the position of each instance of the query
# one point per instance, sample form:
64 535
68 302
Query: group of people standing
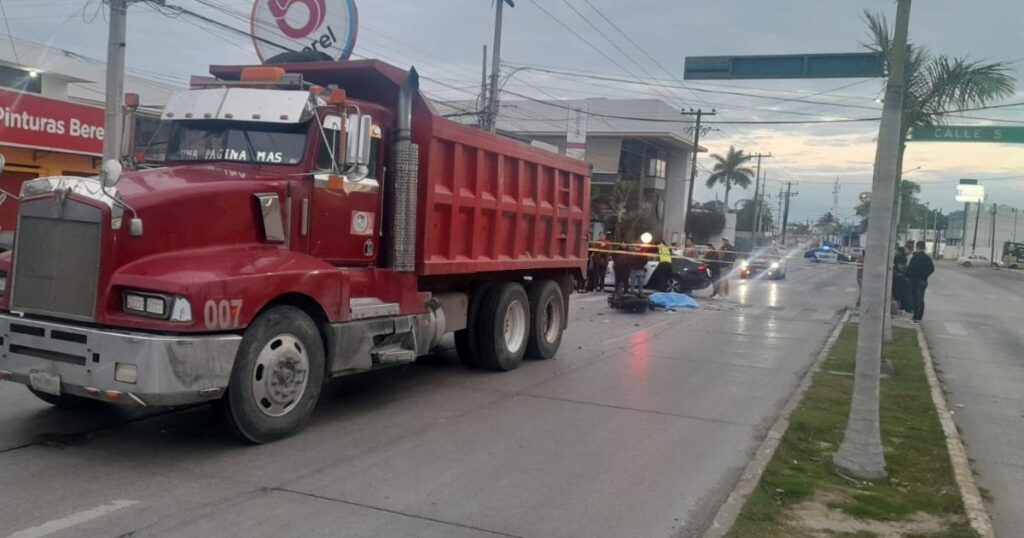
909 278
630 268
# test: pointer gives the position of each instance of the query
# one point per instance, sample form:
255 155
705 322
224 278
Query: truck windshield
250 142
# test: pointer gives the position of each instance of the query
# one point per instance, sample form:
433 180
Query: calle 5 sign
328 26
955 133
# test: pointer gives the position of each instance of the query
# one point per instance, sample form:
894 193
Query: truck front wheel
547 316
277 376
503 327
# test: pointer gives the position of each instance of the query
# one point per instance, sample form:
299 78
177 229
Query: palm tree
939 84
935 86
731 170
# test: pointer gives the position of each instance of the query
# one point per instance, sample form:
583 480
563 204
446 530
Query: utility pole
963 233
785 213
492 102
756 226
860 455
977 219
113 120
1015 224
927 212
995 209
935 238
699 113
484 105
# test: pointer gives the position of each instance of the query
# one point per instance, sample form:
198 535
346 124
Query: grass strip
801 495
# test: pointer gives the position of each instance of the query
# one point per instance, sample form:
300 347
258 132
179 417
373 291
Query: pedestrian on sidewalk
900 285
918 270
599 263
727 253
690 249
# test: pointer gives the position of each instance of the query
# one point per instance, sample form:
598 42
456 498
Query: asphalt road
974 321
640 427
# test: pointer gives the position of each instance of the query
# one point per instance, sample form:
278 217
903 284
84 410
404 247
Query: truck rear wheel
277 376
466 339
547 316
503 327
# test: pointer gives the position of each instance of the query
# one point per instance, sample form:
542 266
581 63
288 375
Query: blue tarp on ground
672 300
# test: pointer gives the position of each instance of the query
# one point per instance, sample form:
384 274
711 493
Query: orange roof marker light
262 74
337 97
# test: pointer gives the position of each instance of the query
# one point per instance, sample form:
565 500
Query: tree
730 171
745 217
705 220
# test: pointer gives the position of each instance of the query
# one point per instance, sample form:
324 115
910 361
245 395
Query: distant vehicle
857 252
978 259
763 262
687 275
1013 255
826 254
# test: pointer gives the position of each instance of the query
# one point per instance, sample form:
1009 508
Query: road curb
974 505
730 509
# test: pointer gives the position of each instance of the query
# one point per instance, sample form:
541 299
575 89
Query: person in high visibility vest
664 253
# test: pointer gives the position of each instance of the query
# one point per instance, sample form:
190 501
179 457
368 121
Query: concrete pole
113 121
992 256
860 455
977 219
485 102
693 169
492 103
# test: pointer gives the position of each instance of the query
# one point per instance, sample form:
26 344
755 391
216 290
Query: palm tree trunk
728 187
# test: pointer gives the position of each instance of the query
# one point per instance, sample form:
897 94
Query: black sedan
683 275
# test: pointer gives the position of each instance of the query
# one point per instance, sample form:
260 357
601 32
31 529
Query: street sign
576 133
959 133
842 65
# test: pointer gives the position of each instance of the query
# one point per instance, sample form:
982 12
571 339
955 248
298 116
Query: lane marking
77 518
849 290
828 288
955 328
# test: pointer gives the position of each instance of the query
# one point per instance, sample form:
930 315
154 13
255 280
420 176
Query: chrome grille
56 259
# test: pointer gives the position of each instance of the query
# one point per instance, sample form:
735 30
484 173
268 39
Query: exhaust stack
406 167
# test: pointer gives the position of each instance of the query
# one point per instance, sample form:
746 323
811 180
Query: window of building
20 79
656 168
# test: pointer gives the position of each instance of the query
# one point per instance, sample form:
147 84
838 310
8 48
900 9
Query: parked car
826 254
978 259
687 275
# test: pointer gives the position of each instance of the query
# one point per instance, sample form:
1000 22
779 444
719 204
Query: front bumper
172 370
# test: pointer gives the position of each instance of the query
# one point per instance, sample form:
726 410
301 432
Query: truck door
344 213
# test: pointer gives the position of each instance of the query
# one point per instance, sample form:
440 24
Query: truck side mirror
358 150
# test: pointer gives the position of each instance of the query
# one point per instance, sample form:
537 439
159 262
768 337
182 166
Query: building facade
51 118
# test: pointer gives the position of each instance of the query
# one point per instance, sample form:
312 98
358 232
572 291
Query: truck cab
282 243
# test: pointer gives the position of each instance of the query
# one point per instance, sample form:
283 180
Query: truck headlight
744 263
155 305
775 265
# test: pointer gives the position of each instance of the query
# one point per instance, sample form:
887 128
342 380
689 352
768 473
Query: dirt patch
816 518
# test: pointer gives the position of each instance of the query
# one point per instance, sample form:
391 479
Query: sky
443 39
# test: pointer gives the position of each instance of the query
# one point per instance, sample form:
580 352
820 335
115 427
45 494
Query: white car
977 259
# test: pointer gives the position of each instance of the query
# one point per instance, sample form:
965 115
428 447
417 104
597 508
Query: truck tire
503 327
64 401
547 317
277 377
466 339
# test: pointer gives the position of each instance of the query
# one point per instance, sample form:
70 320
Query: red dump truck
313 220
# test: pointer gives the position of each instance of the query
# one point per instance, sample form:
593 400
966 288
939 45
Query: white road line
955 328
849 290
631 333
77 518
828 288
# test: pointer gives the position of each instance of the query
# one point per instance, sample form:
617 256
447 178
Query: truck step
388 357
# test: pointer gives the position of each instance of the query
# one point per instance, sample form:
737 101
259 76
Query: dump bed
489 203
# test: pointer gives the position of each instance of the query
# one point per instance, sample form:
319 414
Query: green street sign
843 65
960 133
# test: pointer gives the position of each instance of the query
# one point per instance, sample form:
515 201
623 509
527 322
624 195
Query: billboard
967 193
328 26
